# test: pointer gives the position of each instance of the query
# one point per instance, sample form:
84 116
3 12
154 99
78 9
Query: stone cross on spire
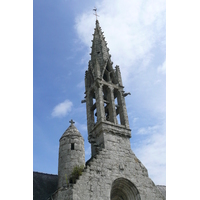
71 121
95 9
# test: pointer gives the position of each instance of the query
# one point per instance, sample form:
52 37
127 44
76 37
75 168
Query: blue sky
136 36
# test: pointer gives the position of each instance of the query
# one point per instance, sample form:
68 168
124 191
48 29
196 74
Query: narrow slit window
72 146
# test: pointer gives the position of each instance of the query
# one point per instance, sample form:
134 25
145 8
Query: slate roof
44 185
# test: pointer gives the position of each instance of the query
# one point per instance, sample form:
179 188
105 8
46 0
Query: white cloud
62 109
152 152
135 119
81 127
81 84
162 68
149 130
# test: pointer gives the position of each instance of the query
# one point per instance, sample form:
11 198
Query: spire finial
71 121
95 9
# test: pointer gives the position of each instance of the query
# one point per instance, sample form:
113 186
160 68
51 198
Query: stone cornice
109 127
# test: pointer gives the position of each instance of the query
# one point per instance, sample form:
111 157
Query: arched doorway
123 189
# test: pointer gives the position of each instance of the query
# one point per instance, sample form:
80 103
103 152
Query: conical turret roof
71 131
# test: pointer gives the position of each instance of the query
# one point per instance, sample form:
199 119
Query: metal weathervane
95 9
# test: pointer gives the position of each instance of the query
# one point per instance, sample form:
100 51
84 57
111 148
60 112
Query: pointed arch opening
123 189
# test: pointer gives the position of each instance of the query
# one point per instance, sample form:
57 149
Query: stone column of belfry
121 100
99 102
118 73
123 111
89 103
112 105
90 112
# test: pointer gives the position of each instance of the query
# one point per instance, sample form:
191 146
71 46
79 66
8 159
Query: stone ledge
111 128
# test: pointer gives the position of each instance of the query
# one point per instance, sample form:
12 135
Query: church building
113 172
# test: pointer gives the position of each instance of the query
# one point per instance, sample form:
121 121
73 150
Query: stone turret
71 153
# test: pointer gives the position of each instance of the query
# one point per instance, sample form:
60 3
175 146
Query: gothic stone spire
105 102
100 51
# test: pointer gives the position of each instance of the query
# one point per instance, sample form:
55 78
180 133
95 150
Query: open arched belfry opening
123 189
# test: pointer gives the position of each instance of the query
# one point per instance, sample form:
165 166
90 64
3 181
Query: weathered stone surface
44 186
162 189
97 182
113 172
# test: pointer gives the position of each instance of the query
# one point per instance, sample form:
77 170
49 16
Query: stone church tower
104 98
113 172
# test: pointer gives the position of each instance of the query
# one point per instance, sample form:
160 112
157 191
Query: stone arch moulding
123 189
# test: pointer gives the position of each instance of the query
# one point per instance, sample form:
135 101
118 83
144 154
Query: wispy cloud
81 127
135 119
81 84
162 68
149 130
62 109
152 152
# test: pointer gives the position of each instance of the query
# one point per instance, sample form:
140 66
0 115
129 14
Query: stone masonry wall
108 165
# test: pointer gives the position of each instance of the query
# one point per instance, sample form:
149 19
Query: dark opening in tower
93 108
117 111
72 146
107 103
